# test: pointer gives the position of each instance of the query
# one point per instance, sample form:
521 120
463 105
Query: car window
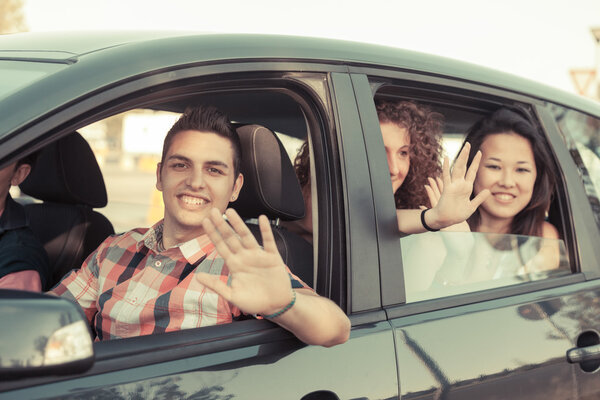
439 264
127 147
581 133
447 263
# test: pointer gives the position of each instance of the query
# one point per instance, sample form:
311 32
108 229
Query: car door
508 341
250 359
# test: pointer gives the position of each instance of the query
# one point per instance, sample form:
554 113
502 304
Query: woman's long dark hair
530 220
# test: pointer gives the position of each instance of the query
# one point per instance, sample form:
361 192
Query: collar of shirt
192 250
13 216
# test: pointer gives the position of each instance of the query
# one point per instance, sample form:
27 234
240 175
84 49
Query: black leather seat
68 180
271 188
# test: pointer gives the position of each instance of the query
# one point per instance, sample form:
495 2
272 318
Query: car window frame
63 119
394 303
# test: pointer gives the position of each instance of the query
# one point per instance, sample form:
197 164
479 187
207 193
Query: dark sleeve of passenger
23 254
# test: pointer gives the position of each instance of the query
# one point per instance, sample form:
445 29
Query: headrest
270 183
66 171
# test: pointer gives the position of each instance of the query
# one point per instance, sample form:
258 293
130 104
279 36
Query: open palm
258 282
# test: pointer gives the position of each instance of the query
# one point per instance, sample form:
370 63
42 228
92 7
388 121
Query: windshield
17 74
440 264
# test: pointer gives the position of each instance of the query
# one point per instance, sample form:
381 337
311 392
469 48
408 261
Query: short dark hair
205 119
530 220
29 159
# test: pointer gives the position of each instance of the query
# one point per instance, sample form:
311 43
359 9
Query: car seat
272 188
67 178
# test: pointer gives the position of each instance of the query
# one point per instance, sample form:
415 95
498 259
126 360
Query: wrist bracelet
284 309
430 229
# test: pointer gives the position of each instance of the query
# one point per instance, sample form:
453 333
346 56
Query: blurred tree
11 16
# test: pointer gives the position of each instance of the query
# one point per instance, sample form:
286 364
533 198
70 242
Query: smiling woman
518 170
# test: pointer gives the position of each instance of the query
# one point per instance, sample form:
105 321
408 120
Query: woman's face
508 170
397 145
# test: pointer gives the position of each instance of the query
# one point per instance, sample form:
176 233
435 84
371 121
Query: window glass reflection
439 264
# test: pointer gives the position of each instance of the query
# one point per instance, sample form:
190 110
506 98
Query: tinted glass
439 264
581 133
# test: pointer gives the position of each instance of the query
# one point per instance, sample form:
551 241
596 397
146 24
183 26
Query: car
96 105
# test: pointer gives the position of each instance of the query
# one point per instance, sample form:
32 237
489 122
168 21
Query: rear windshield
15 75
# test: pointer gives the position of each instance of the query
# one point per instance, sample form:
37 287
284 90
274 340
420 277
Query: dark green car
103 102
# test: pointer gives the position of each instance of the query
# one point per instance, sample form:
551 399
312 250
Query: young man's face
196 175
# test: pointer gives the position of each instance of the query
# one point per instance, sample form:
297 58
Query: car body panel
508 342
284 369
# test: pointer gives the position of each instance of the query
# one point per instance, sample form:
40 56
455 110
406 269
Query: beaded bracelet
284 309
430 229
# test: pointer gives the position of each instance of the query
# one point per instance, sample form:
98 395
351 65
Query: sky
536 39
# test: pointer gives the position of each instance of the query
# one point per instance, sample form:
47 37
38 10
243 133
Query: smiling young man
192 268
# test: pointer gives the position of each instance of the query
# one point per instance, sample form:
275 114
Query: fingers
460 165
433 200
473 168
246 237
446 171
215 237
435 188
480 198
267 235
440 184
228 239
215 283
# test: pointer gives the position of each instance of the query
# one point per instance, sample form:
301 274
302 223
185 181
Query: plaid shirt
128 287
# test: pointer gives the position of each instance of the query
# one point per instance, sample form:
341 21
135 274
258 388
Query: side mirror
42 335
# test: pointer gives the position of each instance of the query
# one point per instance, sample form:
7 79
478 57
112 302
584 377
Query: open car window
436 265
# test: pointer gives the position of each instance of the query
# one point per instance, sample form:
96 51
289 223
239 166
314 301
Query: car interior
66 193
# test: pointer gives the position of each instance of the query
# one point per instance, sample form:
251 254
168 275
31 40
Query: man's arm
81 285
260 284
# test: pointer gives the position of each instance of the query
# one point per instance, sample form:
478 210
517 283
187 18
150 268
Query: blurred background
550 41
553 42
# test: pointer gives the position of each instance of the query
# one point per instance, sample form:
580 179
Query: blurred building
587 80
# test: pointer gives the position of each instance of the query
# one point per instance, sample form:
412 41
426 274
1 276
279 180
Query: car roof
107 56
56 45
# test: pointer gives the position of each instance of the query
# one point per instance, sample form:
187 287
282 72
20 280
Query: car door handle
581 354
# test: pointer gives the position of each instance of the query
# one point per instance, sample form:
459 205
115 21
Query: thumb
480 198
214 283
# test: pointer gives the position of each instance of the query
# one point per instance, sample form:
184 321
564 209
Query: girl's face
397 146
508 170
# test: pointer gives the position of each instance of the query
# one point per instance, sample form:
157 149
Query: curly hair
302 164
424 127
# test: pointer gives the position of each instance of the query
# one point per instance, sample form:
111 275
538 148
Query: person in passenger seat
517 169
192 268
303 227
24 264
412 138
